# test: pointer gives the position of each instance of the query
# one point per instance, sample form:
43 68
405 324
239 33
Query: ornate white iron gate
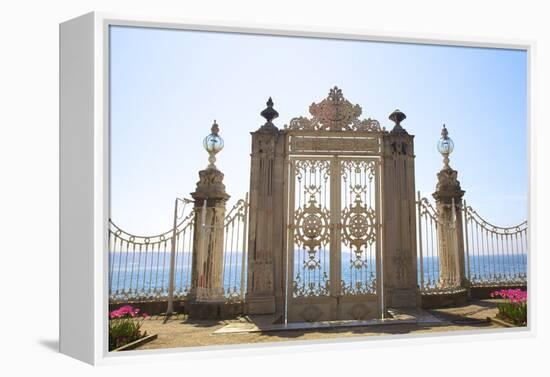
333 242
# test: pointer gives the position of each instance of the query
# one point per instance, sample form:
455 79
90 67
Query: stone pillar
399 258
448 197
206 297
265 291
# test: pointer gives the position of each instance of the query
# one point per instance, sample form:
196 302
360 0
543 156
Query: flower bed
514 307
124 326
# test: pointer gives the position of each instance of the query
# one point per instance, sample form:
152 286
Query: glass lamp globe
445 146
213 143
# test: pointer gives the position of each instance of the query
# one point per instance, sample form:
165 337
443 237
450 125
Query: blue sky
167 87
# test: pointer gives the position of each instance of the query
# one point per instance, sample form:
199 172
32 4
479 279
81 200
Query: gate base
261 305
213 310
402 298
315 309
441 300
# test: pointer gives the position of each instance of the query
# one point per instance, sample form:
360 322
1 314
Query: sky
168 86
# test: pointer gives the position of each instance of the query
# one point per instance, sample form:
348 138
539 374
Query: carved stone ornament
320 144
266 146
359 312
402 266
399 148
263 276
311 313
335 113
210 185
447 180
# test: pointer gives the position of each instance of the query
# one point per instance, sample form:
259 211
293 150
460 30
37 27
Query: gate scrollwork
358 225
312 226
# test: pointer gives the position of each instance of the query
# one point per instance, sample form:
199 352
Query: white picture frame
84 179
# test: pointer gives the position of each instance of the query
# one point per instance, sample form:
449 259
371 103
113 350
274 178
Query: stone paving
182 332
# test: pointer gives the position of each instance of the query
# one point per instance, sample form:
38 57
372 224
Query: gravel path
181 332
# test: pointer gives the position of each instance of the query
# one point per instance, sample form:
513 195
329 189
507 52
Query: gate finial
269 113
397 117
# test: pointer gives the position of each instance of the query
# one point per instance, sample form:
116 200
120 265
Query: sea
145 273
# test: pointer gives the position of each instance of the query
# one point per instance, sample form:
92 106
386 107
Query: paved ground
182 332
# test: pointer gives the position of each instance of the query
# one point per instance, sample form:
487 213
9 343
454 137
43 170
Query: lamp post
210 188
207 292
448 196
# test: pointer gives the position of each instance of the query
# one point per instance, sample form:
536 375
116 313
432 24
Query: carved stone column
448 196
206 297
265 291
399 218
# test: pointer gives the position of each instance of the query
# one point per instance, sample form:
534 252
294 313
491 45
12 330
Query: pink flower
126 310
513 295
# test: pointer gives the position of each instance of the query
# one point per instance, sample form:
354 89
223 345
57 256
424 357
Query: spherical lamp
213 143
445 146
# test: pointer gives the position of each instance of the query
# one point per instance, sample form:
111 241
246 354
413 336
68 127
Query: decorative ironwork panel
495 255
359 222
234 253
139 266
311 219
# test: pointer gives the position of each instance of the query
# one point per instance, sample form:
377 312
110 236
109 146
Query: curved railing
235 245
495 255
139 266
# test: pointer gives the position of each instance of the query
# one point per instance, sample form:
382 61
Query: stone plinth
399 218
265 290
207 268
448 197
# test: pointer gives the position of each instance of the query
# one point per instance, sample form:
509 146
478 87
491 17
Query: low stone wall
234 309
149 307
214 310
484 292
226 310
441 300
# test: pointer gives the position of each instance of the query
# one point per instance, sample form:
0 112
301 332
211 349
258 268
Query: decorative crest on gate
335 113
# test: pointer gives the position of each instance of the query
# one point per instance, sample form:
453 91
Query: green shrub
514 308
124 326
